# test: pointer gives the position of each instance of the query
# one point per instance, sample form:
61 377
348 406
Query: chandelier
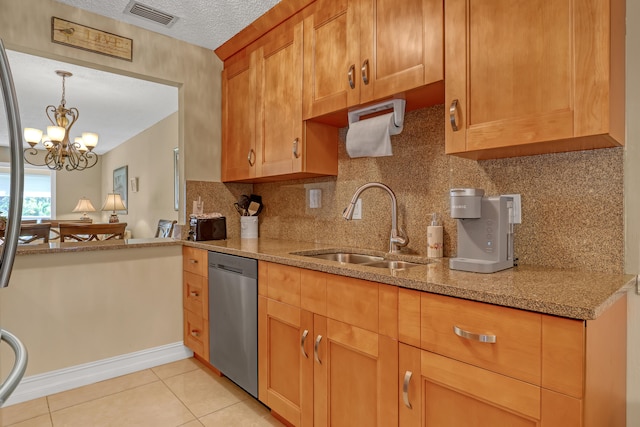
61 153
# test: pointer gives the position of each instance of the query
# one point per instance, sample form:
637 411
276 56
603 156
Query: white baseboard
52 382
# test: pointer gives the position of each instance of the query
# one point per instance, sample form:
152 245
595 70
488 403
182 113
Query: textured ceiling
206 23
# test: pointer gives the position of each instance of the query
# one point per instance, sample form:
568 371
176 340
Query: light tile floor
183 393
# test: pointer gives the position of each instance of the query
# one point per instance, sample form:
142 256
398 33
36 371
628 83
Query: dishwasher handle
229 268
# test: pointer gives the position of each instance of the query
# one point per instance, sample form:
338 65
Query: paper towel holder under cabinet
398 113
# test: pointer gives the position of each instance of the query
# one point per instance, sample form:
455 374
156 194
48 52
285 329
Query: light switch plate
517 208
315 198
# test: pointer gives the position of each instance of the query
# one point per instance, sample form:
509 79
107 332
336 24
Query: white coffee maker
485 231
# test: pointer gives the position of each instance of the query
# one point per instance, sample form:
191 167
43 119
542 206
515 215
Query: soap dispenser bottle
434 238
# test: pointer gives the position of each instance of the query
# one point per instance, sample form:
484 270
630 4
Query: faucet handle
399 239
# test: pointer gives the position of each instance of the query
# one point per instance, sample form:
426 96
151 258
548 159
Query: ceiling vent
149 13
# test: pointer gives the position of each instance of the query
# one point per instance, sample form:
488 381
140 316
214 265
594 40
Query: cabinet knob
296 154
193 261
364 70
195 333
251 157
194 294
352 70
302 341
490 339
453 113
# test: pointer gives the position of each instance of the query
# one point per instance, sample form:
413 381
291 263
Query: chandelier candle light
61 153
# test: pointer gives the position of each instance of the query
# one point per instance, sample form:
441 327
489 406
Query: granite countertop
567 293
57 247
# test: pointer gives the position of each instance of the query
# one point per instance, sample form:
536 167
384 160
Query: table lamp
84 205
113 202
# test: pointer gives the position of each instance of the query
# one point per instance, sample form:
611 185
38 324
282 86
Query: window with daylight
38 193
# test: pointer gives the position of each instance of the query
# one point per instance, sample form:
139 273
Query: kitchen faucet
396 241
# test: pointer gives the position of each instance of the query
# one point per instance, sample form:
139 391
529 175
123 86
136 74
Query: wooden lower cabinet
316 368
337 351
195 301
443 392
354 376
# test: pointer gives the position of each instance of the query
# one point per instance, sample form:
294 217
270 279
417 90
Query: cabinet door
355 376
410 386
456 394
285 364
533 77
499 90
239 120
331 52
280 138
400 46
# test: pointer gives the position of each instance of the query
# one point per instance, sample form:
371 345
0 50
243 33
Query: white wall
80 307
632 207
148 156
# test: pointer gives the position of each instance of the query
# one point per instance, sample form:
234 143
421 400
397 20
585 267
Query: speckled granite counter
566 293
58 247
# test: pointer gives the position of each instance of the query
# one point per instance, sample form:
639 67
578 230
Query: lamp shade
84 205
113 202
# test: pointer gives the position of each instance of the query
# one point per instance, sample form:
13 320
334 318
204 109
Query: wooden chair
88 232
165 227
55 224
31 232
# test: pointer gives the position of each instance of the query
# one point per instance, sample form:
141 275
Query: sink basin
348 257
394 265
363 259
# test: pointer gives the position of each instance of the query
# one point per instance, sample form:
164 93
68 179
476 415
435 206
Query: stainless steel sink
393 265
362 259
350 258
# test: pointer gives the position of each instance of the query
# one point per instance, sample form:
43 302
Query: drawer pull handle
195 333
405 389
302 341
315 349
193 261
251 157
491 339
352 70
194 294
453 110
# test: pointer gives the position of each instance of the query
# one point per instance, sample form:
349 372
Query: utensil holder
248 227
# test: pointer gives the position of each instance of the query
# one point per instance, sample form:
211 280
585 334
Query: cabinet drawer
463 330
194 260
195 294
196 334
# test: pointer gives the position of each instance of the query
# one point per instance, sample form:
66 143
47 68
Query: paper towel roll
370 137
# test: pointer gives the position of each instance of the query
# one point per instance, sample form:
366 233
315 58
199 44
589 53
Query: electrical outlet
517 208
357 212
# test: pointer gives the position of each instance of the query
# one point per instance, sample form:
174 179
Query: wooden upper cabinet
264 135
280 102
359 51
239 120
533 77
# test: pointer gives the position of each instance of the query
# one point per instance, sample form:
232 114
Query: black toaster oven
201 229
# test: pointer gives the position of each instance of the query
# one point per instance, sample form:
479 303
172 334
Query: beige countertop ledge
567 293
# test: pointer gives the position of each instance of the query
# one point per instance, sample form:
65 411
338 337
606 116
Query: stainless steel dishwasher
233 318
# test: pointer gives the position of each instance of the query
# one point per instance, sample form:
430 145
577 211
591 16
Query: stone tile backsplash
572 214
